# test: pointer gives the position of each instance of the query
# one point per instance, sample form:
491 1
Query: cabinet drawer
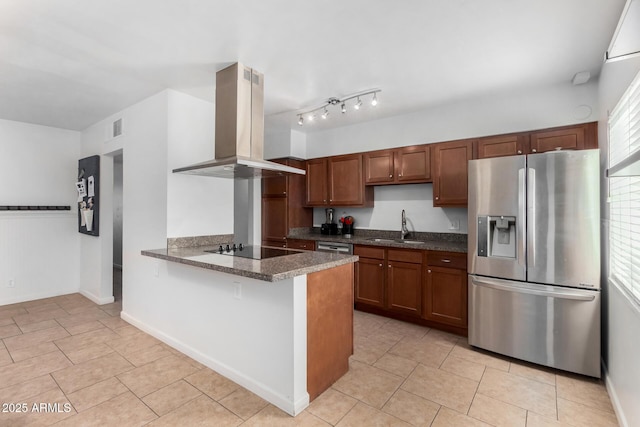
447 259
368 252
309 245
403 255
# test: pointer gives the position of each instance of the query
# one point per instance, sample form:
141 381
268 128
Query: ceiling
71 63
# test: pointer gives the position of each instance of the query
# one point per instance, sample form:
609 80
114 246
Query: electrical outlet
237 290
11 284
454 224
156 269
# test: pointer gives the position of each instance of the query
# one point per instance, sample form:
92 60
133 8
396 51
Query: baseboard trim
96 299
262 390
33 297
622 420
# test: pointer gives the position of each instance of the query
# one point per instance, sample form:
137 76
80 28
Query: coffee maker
329 227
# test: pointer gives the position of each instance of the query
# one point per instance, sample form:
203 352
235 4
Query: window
624 194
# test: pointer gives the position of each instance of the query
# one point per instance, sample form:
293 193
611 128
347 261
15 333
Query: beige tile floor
101 371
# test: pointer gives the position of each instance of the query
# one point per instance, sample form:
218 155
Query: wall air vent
117 128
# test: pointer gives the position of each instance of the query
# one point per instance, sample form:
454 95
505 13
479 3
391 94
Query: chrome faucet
403 231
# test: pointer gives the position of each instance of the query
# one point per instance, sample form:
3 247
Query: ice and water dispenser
497 236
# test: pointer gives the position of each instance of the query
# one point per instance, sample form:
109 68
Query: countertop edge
253 275
429 245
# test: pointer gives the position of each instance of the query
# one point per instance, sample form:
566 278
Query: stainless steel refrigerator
534 258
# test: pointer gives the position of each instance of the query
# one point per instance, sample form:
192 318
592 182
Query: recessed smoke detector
581 78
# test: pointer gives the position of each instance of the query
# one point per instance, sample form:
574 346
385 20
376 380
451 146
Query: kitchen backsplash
390 200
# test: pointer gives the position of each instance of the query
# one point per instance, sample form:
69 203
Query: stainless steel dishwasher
339 248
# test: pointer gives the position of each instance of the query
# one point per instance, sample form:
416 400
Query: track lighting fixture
343 102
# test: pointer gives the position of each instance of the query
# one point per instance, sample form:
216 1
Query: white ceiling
71 63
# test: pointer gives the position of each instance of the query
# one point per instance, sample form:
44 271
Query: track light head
358 104
325 113
374 101
343 108
300 120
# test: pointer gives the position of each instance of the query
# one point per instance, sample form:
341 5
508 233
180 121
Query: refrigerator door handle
531 218
525 289
522 213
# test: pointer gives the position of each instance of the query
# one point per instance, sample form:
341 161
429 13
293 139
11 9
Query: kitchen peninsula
281 327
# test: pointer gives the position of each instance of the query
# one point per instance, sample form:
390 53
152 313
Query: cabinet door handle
389 266
519 151
534 151
380 265
284 238
390 176
399 174
284 192
437 198
304 246
445 260
429 271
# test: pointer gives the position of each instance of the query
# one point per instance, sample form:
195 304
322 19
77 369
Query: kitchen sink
410 242
375 239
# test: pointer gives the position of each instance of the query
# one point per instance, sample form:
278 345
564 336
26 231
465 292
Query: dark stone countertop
448 242
269 270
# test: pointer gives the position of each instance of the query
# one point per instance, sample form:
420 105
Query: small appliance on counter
347 226
329 227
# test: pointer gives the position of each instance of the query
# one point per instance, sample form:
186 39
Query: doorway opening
117 227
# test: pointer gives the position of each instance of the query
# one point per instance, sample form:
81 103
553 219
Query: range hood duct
239 139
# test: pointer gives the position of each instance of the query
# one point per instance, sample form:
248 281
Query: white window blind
624 193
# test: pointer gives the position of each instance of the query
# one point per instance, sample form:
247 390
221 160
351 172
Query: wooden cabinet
337 181
274 218
389 278
502 145
577 137
370 275
405 165
404 281
317 194
450 161
283 208
307 245
445 291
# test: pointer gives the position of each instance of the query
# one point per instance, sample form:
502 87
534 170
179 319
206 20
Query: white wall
196 205
390 200
38 250
490 115
621 317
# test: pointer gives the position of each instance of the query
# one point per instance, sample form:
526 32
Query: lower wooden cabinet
404 287
369 283
390 279
424 287
445 296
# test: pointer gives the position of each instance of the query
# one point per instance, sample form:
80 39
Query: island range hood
239 129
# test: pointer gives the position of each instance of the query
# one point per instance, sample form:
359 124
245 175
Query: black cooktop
252 252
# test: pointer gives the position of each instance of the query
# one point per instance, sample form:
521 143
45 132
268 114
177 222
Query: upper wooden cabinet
577 137
450 161
405 165
317 182
502 145
337 181
283 201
